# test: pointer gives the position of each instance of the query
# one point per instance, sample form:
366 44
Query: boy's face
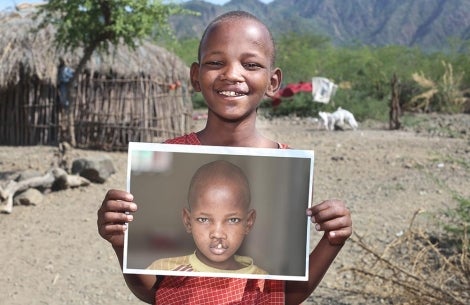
235 70
219 220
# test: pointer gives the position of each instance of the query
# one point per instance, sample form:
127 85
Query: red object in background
291 89
275 102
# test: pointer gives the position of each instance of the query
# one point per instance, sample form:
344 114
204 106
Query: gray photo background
279 188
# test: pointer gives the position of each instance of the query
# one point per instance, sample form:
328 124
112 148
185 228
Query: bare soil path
52 254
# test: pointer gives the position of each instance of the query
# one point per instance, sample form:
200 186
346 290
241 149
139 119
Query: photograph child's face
235 70
219 218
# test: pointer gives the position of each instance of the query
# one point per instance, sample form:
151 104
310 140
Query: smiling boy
234 72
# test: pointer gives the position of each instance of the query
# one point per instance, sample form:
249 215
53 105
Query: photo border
220 150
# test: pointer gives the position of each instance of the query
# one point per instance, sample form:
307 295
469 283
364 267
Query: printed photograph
219 211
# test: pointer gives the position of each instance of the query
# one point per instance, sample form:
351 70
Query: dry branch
56 177
413 269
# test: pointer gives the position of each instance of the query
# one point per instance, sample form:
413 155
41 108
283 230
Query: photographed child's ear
194 75
275 82
250 220
186 215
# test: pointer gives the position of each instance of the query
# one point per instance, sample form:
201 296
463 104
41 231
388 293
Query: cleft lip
218 245
218 249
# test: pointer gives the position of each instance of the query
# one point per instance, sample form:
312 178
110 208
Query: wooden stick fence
107 113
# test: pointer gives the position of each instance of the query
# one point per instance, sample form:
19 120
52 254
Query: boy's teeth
229 93
219 246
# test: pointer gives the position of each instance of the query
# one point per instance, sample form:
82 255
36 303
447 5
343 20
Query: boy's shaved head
219 172
237 16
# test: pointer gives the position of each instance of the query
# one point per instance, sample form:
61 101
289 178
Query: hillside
428 24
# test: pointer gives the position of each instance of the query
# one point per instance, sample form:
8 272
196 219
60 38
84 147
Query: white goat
337 118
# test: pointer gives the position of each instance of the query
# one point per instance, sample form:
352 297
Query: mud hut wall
111 112
28 113
42 114
10 128
108 113
172 118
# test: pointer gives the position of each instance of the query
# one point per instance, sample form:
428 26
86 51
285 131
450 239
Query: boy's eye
252 66
202 219
214 63
234 220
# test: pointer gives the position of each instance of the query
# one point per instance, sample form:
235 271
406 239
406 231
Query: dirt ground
52 253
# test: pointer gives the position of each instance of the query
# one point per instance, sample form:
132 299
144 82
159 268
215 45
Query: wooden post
395 110
71 113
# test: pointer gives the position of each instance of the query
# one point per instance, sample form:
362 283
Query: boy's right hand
112 216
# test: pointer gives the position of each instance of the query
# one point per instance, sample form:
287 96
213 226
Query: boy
219 217
235 71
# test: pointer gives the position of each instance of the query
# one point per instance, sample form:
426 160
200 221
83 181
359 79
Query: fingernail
317 227
130 217
133 206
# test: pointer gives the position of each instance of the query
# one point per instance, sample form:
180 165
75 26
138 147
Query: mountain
427 24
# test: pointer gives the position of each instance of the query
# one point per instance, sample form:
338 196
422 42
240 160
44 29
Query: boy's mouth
218 248
231 93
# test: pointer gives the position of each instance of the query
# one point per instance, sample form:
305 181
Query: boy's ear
275 82
194 76
186 215
250 220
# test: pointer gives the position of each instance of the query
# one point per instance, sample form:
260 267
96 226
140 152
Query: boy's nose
232 73
217 232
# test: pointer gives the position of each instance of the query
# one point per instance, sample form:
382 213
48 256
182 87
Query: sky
10 4
4 4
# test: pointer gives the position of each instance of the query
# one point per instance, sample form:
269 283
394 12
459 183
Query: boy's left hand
332 217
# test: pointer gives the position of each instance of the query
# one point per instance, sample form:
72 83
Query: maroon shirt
189 290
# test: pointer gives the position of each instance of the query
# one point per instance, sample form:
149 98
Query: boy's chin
232 117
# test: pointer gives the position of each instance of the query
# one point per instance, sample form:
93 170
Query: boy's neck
238 134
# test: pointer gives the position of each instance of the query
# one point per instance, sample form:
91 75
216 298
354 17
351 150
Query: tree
94 25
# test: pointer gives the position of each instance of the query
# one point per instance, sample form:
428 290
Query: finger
110 230
334 224
325 205
116 217
113 233
339 237
332 212
115 212
114 194
117 206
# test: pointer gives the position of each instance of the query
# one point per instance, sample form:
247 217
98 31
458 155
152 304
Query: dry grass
415 268
35 52
447 90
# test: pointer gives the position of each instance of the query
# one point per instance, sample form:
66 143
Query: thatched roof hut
127 95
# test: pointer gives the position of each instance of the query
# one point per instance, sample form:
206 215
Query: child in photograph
235 71
219 217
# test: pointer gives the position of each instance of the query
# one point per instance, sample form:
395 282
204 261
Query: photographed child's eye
234 220
202 219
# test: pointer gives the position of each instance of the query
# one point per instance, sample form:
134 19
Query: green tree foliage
95 24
